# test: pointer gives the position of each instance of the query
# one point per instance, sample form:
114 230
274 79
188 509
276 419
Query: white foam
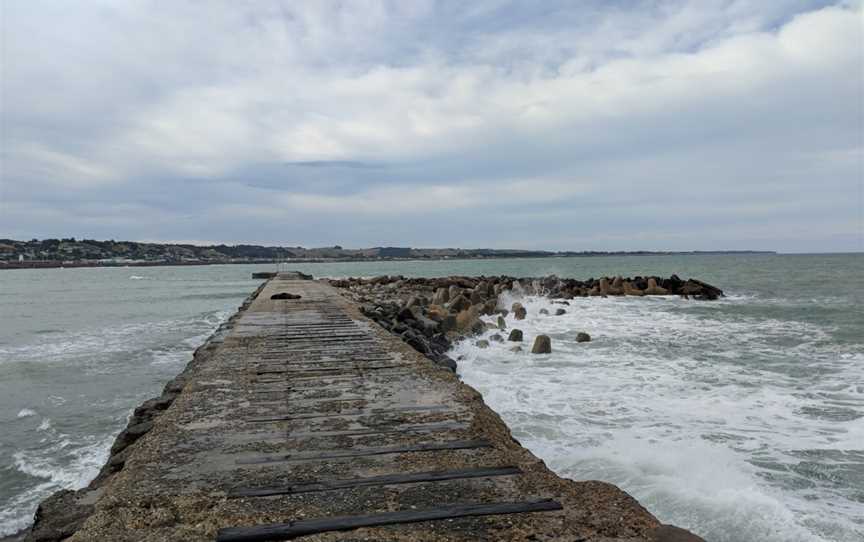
26 413
61 463
667 402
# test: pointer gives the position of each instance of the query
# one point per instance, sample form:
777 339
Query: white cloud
688 97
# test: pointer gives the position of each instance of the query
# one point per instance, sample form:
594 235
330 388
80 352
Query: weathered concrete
304 411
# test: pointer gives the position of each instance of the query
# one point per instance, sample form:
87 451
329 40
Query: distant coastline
56 253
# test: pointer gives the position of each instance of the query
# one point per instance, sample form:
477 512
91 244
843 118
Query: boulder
469 322
559 312
437 312
441 296
617 287
631 289
459 304
542 345
654 289
515 336
700 290
519 311
453 291
476 297
404 314
604 286
496 337
502 324
482 343
582 337
544 312
427 325
59 516
448 323
490 306
445 362
516 348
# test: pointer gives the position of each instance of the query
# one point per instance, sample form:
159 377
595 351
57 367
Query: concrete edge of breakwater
62 514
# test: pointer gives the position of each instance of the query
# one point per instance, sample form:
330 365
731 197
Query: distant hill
90 252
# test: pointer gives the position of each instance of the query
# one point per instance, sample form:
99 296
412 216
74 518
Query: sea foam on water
695 410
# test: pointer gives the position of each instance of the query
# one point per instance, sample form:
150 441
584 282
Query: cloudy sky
581 125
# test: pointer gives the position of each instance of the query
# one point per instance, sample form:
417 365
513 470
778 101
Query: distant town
73 252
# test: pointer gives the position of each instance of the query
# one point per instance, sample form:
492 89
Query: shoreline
67 509
47 264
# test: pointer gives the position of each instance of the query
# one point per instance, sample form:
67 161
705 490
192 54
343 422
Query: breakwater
296 398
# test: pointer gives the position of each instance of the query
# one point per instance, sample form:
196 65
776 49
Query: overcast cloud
600 124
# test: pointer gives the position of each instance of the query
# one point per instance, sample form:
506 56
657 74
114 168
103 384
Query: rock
459 304
582 337
515 336
542 345
437 312
519 311
559 312
441 296
653 289
59 516
428 326
404 314
603 287
453 291
516 348
489 307
416 341
445 362
476 298
631 289
502 324
285 295
700 290
482 344
497 337
469 322
544 312
449 323
617 287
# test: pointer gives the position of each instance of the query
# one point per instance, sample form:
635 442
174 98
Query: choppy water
741 419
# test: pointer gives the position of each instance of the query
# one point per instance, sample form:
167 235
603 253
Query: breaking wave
740 428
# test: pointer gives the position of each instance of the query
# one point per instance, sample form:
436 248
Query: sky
571 125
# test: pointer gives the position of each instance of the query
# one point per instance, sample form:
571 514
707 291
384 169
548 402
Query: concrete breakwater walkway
304 419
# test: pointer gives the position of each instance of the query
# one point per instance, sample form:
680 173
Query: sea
740 419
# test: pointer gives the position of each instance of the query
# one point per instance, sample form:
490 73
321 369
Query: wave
55 460
111 340
62 462
710 418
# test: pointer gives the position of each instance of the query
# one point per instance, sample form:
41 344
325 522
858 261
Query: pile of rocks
431 313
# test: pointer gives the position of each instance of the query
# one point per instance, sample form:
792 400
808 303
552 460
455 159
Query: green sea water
741 419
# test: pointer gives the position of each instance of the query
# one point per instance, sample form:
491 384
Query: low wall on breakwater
302 417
